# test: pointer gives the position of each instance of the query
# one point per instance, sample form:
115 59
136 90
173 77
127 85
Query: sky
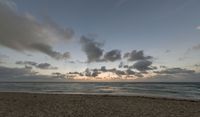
100 40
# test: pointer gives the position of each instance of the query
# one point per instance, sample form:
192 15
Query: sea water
169 90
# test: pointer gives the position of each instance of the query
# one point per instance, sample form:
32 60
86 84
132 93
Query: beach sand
67 105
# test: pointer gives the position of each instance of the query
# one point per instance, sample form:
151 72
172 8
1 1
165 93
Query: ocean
167 90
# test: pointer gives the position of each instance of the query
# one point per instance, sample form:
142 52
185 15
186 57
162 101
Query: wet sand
75 105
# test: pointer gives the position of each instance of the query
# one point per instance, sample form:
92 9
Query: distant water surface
169 90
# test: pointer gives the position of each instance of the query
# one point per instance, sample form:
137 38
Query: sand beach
76 105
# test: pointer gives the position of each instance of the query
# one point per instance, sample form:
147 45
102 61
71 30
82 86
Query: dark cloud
175 71
139 75
6 72
92 49
23 32
95 73
103 69
120 72
136 55
142 65
58 75
121 64
126 66
72 62
112 70
26 63
130 72
116 71
45 66
49 51
91 72
112 55
163 66
73 73
153 67
88 72
28 67
25 74
36 65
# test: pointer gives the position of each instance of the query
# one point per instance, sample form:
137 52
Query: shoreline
79 105
107 94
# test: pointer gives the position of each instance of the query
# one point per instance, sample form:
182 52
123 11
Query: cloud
3 58
58 75
44 66
121 64
162 66
196 47
130 72
23 32
112 55
103 69
25 74
95 73
26 63
142 65
197 65
49 51
126 66
92 49
15 72
29 67
72 62
185 56
175 71
136 55
62 33
167 51
181 77
198 27
87 72
91 72
120 72
139 75
114 70
9 3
